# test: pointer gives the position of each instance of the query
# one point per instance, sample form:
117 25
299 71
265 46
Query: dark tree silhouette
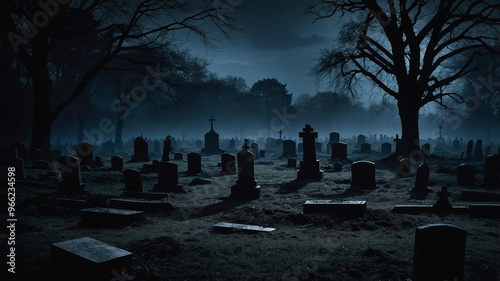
34 28
405 47
272 95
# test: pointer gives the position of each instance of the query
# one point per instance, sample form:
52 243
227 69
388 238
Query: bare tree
35 27
405 48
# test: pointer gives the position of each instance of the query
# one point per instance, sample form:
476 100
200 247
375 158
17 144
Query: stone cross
280 132
211 123
308 137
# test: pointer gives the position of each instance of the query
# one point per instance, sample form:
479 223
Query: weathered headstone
478 152
361 140
309 166
85 152
194 163
228 164
116 163
132 180
386 148
211 140
167 143
178 156
422 178
140 150
289 149
466 175
363 175
71 179
439 253
334 137
492 171
168 180
366 148
468 155
292 163
404 168
246 187
339 151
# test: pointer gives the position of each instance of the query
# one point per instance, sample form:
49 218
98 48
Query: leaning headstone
404 168
386 148
22 150
194 163
168 180
366 148
439 253
289 149
309 166
178 156
140 150
363 175
85 152
422 178
478 152
292 163
466 175
228 164
116 163
492 171
246 187
132 180
71 179
89 256
339 151
468 155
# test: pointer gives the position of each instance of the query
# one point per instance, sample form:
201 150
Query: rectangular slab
344 208
232 227
110 217
140 205
485 210
89 254
144 195
472 195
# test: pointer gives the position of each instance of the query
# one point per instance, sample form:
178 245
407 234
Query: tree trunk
42 113
408 112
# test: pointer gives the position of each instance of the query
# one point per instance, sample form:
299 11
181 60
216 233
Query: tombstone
178 156
366 148
334 137
456 145
401 146
98 161
85 152
361 140
478 152
363 175
22 150
466 175
107 147
492 171
443 205
194 163
116 163
17 163
309 166
439 253
289 149
292 163
168 180
270 143
246 187
228 164
339 151
70 180
140 150
35 154
300 147
132 180
211 141
199 144
468 155
422 178
318 147
386 148
404 168
254 147
167 144
426 149
262 153
156 147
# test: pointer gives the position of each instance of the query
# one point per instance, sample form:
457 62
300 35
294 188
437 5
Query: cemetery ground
181 245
